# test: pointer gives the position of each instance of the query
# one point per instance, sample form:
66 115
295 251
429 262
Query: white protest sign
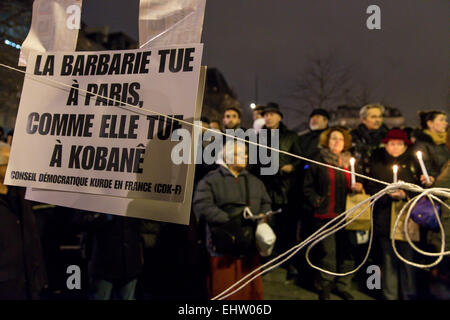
82 143
165 211
164 23
54 27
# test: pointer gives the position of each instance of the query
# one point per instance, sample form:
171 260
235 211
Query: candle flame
395 168
419 154
352 161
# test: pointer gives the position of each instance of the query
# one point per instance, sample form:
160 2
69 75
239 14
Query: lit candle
352 170
422 166
395 170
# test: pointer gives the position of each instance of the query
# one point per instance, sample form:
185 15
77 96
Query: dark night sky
406 62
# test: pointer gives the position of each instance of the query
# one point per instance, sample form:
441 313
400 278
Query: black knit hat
321 112
272 107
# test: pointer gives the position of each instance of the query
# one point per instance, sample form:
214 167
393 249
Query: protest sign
68 140
164 211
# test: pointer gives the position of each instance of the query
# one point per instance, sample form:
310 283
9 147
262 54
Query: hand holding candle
352 171
395 170
422 166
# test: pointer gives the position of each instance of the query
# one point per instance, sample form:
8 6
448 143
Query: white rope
338 223
321 233
429 193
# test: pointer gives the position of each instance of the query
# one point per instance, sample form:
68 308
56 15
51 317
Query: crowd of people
129 258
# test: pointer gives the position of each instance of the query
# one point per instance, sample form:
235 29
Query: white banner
54 27
164 211
67 140
163 22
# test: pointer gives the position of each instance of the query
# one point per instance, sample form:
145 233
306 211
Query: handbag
423 213
362 223
413 228
237 236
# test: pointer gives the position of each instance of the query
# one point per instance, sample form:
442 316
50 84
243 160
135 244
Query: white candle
352 170
422 166
395 170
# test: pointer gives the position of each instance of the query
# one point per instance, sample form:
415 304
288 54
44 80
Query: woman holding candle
431 141
393 162
326 190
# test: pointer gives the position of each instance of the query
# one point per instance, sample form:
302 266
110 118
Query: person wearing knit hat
396 134
398 280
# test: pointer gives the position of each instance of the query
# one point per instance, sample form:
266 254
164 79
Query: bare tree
362 94
323 83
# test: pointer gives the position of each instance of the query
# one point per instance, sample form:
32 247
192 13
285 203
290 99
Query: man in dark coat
117 255
22 269
281 185
309 146
309 140
367 136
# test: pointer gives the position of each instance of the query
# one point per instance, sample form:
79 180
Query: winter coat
381 169
220 188
434 156
326 189
309 142
22 268
280 185
443 181
364 143
117 252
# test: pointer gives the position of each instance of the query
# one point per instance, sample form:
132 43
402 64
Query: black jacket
309 142
280 185
326 189
117 252
434 156
22 269
309 146
381 169
364 143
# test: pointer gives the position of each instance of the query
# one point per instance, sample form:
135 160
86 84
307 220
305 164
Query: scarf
438 138
342 160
